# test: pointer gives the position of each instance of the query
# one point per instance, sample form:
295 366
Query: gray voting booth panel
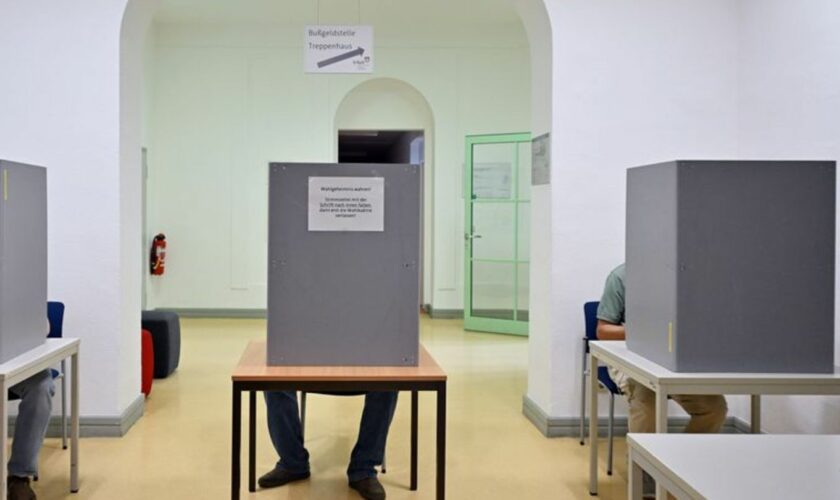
23 258
730 265
348 298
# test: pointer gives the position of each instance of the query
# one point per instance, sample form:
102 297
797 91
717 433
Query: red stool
147 353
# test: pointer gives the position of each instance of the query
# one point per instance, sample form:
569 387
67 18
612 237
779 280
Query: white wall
227 99
789 107
60 107
537 23
633 83
661 80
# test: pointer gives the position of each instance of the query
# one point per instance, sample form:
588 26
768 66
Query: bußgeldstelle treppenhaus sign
338 49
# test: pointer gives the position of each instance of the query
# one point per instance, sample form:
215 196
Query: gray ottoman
166 339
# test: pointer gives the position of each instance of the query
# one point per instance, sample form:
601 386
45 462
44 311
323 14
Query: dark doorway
380 146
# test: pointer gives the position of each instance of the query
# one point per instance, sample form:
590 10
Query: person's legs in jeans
707 412
373 432
34 412
285 431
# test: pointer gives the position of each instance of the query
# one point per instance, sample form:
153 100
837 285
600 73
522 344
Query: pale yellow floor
181 446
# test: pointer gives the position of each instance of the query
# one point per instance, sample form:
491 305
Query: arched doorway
389 104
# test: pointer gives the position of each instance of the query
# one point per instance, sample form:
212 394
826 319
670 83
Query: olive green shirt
611 308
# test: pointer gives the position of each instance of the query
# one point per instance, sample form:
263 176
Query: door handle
473 236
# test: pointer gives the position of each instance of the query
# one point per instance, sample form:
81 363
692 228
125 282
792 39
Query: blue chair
590 311
55 314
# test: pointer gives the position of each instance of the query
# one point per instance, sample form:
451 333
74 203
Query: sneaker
278 477
369 488
18 489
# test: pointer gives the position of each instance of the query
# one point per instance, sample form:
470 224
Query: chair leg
610 435
583 392
383 464
303 413
63 406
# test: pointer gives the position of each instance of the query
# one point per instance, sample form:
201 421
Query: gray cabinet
23 258
730 265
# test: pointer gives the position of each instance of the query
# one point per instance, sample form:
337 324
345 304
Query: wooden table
20 368
665 382
733 467
252 375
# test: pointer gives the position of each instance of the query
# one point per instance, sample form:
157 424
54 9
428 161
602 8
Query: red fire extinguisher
157 259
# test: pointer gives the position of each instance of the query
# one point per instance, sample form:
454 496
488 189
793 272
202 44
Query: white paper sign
338 49
346 204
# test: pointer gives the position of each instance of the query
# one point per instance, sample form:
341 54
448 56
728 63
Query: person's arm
609 331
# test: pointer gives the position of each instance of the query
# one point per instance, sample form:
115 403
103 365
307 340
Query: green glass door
497 233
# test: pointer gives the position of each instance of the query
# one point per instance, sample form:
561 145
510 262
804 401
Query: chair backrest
590 312
55 313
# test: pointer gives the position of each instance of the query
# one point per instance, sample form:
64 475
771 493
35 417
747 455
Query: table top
252 368
44 353
733 466
645 369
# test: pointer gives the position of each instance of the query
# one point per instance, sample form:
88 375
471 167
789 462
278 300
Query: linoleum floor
180 448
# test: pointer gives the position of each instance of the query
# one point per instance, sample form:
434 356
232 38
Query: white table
21 368
733 467
664 382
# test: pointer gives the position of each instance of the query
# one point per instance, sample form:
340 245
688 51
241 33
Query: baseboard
570 426
95 426
444 313
217 313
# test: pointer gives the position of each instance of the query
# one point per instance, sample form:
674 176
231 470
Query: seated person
34 412
707 412
286 435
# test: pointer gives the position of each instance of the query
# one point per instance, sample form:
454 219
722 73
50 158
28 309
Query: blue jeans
34 412
285 430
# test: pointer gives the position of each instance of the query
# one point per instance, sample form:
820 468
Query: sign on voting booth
23 258
343 264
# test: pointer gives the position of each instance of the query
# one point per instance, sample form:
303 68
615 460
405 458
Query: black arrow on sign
341 57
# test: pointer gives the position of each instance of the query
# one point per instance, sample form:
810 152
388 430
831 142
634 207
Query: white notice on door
346 204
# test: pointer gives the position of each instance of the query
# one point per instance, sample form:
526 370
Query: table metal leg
583 374
252 441
236 435
661 427
74 424
755 414
63 404
441 443
4 439
414 409
593 424
635 481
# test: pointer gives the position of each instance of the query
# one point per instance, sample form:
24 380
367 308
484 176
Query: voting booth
23 258
343 264
730 265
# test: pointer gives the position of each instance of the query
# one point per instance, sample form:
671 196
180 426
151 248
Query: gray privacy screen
338 297
730 265
23 258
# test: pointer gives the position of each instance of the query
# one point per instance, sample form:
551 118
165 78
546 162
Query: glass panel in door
497 233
